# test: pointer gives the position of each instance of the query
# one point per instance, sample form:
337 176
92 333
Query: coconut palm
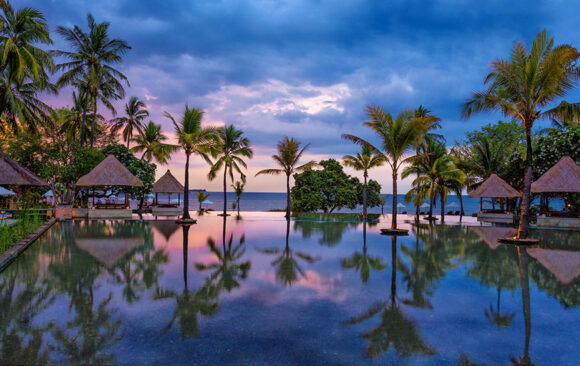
193 139
522 87
362 261
239 190
382 202
364 161
229 149
201 197
24 67
151 142
289 153
398 137
135 116
91 62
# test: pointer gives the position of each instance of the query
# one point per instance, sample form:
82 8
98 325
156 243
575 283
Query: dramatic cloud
308 68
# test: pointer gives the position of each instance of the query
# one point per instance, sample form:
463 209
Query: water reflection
331 232
288 269
525 359
395 328
362 262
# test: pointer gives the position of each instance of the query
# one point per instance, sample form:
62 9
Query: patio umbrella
208 202
6 192
48 194
425 205
453 204
400 205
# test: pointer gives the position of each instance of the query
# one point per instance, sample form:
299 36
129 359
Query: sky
307 69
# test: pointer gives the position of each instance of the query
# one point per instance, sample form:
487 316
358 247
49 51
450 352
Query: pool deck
11 254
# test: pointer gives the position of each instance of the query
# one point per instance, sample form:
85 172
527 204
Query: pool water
262 291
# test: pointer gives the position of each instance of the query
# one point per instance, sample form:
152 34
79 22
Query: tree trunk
225 185
524 279
394 217
185 252
460 203
393 269
442 208
527 195
238 205
186 190
288 196
365 197
128 138
93 123
84 119
431 199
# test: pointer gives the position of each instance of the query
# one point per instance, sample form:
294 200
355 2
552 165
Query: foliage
553 146
139 168
26 223
329 189
136 113
151 141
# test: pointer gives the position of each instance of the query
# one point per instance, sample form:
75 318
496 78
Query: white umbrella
48 194
6 192
401 205
208 202
453 204
425 205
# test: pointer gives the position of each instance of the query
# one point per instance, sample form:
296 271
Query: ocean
263 201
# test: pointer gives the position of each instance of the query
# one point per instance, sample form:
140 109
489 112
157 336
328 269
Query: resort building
167 185
495 188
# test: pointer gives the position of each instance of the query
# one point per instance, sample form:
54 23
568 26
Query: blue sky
308 68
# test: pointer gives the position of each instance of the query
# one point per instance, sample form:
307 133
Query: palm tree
364 161
91 63
24 67
382 202
398 137
239 190
193 139
522 87
151 142
289 153
229 149
362 261
201 196
135 115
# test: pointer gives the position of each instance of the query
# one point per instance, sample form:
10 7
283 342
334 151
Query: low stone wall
111 214
166 211
501 218
80 213
564 222
11 254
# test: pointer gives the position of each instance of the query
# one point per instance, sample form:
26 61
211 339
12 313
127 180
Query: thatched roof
13 173
562 177
491 234
165 227
108 251
167 184
110 172
494 187
564 264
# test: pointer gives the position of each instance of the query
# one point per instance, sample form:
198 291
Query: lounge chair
457 213
450 213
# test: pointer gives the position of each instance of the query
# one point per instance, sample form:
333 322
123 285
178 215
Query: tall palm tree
398 138
522 87
91 61
289 153
364 161
24 67
201 196
135 116
362 261
239 190
151 142
229 149
193 139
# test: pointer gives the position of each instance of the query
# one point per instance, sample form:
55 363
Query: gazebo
494 187
14 174
169 185
564 264
110 173
561 179
490 235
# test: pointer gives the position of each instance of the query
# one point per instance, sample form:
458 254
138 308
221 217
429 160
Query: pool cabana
13 174
168 185
495 188
110 173
559 181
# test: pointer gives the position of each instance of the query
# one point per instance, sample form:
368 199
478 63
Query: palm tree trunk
93 122
84 119
225 184
185 252
431 199
523 259
128 138
288 196
365 197
393 269
527 195
462 213
394 218
238 206
186 190
442 208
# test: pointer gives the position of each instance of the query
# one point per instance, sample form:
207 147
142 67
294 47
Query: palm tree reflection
394 329
523 260
362 261
288 271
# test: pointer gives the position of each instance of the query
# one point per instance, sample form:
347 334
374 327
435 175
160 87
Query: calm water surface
261 291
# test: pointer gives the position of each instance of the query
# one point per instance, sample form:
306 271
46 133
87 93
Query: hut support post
480 204
179 200
156 199
126 199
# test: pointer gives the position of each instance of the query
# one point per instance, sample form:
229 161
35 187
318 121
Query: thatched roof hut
491 234
108 251
165 227
168 184
563 177
494 187
110 172
564 264
13 173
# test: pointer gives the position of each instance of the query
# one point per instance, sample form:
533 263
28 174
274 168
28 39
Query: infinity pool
263 291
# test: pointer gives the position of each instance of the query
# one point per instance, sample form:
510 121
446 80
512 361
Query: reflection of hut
495 188
491 234
14 174
165 227
564 264
109 250
110 173
168 185
560 180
